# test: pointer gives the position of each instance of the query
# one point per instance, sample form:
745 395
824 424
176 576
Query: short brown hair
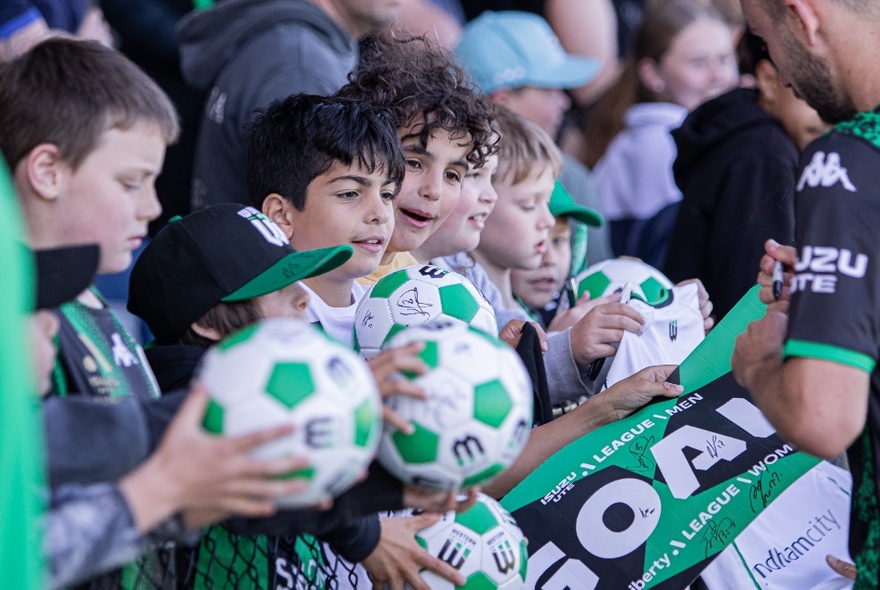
524 147
69 93
225 318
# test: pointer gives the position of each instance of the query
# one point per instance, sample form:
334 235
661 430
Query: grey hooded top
250 53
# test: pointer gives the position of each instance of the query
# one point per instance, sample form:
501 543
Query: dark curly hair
423 86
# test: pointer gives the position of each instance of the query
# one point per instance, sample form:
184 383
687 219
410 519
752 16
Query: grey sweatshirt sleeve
91 440
90 530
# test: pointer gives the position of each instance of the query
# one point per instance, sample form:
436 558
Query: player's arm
817 405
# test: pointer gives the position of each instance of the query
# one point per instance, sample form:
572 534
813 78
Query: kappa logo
825 170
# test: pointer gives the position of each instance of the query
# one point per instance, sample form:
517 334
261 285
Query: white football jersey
671 331
785 546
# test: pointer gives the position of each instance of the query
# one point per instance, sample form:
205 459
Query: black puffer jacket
736 169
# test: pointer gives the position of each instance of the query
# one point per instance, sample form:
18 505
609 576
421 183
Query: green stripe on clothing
22 506
828 352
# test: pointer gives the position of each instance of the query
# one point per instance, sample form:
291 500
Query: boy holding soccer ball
327 171
84 173
210 274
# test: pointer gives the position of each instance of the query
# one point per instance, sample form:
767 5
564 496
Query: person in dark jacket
249 53
736 165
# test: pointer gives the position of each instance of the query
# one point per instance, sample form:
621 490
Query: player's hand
599 332
787 255
569 317
844 568
209 477
431 501
628 395
705 303
386 367
512 332
759 348
398 558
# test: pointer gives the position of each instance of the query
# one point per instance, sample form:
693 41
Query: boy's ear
45 171
649 75
279 210
767 81
502 96
205 332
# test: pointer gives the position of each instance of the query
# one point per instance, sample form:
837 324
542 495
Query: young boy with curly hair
444 125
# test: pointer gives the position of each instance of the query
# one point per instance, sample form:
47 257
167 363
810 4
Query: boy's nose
150 207
432 186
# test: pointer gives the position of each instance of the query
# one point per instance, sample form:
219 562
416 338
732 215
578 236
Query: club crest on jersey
673 330
825 170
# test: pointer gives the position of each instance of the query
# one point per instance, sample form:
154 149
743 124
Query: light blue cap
511 49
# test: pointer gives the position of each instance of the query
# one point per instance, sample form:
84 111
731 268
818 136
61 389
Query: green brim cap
296 266
563 204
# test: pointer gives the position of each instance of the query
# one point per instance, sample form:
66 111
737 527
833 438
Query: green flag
21 460
647 501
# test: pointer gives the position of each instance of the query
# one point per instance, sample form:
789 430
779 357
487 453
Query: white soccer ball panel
259 413
471 356
609 276
470 448
373 322
286 371
485 319
414 303
228 386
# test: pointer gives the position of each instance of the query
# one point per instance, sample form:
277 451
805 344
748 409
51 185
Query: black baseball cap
63 273
225 252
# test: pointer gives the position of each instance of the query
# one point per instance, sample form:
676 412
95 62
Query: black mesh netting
225 561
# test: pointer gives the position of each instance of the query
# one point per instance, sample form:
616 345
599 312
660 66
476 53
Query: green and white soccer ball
477 415
414 295
483 543
642 280
285 371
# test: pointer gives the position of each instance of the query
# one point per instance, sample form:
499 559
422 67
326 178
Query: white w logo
268 228
826 172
